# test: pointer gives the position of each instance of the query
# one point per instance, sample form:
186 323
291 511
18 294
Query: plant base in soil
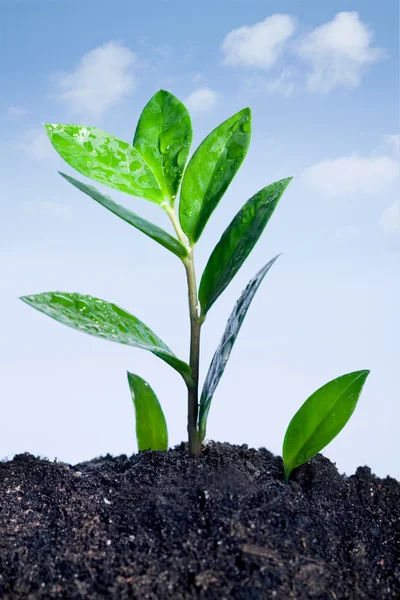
221 525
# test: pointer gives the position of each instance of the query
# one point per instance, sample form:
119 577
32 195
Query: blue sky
322 82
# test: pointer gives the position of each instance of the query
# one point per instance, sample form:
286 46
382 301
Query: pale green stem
195 329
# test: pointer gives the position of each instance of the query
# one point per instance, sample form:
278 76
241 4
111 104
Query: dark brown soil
221 526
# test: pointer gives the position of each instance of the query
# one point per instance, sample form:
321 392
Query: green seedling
154 168
322 416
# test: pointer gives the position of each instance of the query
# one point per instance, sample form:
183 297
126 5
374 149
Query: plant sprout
154 168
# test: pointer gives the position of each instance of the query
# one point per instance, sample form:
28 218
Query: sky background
322 81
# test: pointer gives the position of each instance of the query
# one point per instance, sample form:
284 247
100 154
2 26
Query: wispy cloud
338 52
258 46
17 111
36 145
202 100
390 219
103 77
48 209
349 175
347 233
284 85
197 78
393 142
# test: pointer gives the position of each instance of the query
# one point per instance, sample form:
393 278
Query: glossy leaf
321 418
237 242
107 321
105 159
151 427
211 170
153 231
163 137
222 354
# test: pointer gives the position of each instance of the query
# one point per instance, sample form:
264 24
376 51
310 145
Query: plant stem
195 329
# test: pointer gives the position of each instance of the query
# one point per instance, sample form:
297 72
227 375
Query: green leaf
106 159
211 170
321 418
163 137
222 354
153 231
237 242
151 427
107 321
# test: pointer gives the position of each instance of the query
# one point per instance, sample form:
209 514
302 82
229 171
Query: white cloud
338 52
17 111
258 45
101 80
350 175
36 145
202 100
48 209
390 219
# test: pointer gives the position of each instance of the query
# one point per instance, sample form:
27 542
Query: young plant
154 167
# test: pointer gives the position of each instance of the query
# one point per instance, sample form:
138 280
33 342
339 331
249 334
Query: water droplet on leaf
235 150
181 158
